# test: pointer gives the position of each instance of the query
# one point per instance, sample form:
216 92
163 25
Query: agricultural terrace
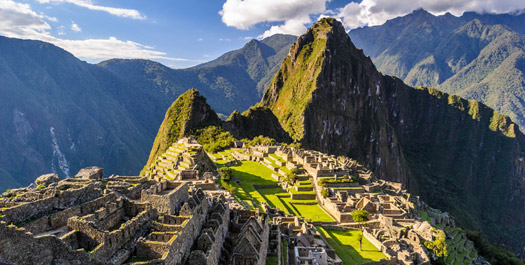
346 246
250 173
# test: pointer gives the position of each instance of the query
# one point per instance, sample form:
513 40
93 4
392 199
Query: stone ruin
184 161
176 214
94 220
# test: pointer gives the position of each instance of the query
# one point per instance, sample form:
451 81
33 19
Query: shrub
438 246
226 173
360 216
261 140
291 177
324 193
214 138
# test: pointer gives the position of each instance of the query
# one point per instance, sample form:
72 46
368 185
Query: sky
181 34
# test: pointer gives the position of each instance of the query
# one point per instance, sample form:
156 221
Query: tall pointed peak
188 112
323 50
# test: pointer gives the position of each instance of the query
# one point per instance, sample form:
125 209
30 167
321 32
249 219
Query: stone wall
37 250
375 242
166 196
301 196
178 248
62 199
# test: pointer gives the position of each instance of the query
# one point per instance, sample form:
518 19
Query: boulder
95 173
47 179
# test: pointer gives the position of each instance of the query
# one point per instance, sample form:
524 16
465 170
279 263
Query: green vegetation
438 246
41 187
360 216
291 177
260 140
284 252
226 174
214 139
253 173
300 71
326 181
181 119
272 260
346 245
324 192
493 254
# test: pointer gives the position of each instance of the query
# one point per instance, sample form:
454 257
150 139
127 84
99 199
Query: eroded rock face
47 179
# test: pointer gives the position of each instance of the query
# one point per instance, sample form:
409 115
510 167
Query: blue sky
184 33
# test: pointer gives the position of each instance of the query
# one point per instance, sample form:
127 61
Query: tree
214 138
438 246
261 140
291 177
360 216
226 173
324 192
230 188
360 239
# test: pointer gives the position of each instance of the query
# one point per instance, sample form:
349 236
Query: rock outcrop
254 122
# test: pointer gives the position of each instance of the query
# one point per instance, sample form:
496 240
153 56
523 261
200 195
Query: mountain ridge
477 56
106 114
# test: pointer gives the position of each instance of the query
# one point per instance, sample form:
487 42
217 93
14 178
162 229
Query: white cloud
52 19
294 16
61 31
121 12
75 27
243 14
99 49
224 39
20 21
377 12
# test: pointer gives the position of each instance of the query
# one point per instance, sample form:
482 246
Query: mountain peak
420 11
188 112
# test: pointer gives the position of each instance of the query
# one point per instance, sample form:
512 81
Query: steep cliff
460 156
190 111
254 122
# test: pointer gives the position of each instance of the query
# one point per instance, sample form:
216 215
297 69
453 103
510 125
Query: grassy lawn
250 173
346 246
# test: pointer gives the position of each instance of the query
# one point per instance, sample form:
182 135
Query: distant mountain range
476 56
59 114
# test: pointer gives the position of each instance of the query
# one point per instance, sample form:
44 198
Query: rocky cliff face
323 97
190 111
254 122
459 155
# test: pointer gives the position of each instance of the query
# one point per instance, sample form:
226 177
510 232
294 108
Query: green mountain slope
58 114
190 111
475 56
458 155
234 81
